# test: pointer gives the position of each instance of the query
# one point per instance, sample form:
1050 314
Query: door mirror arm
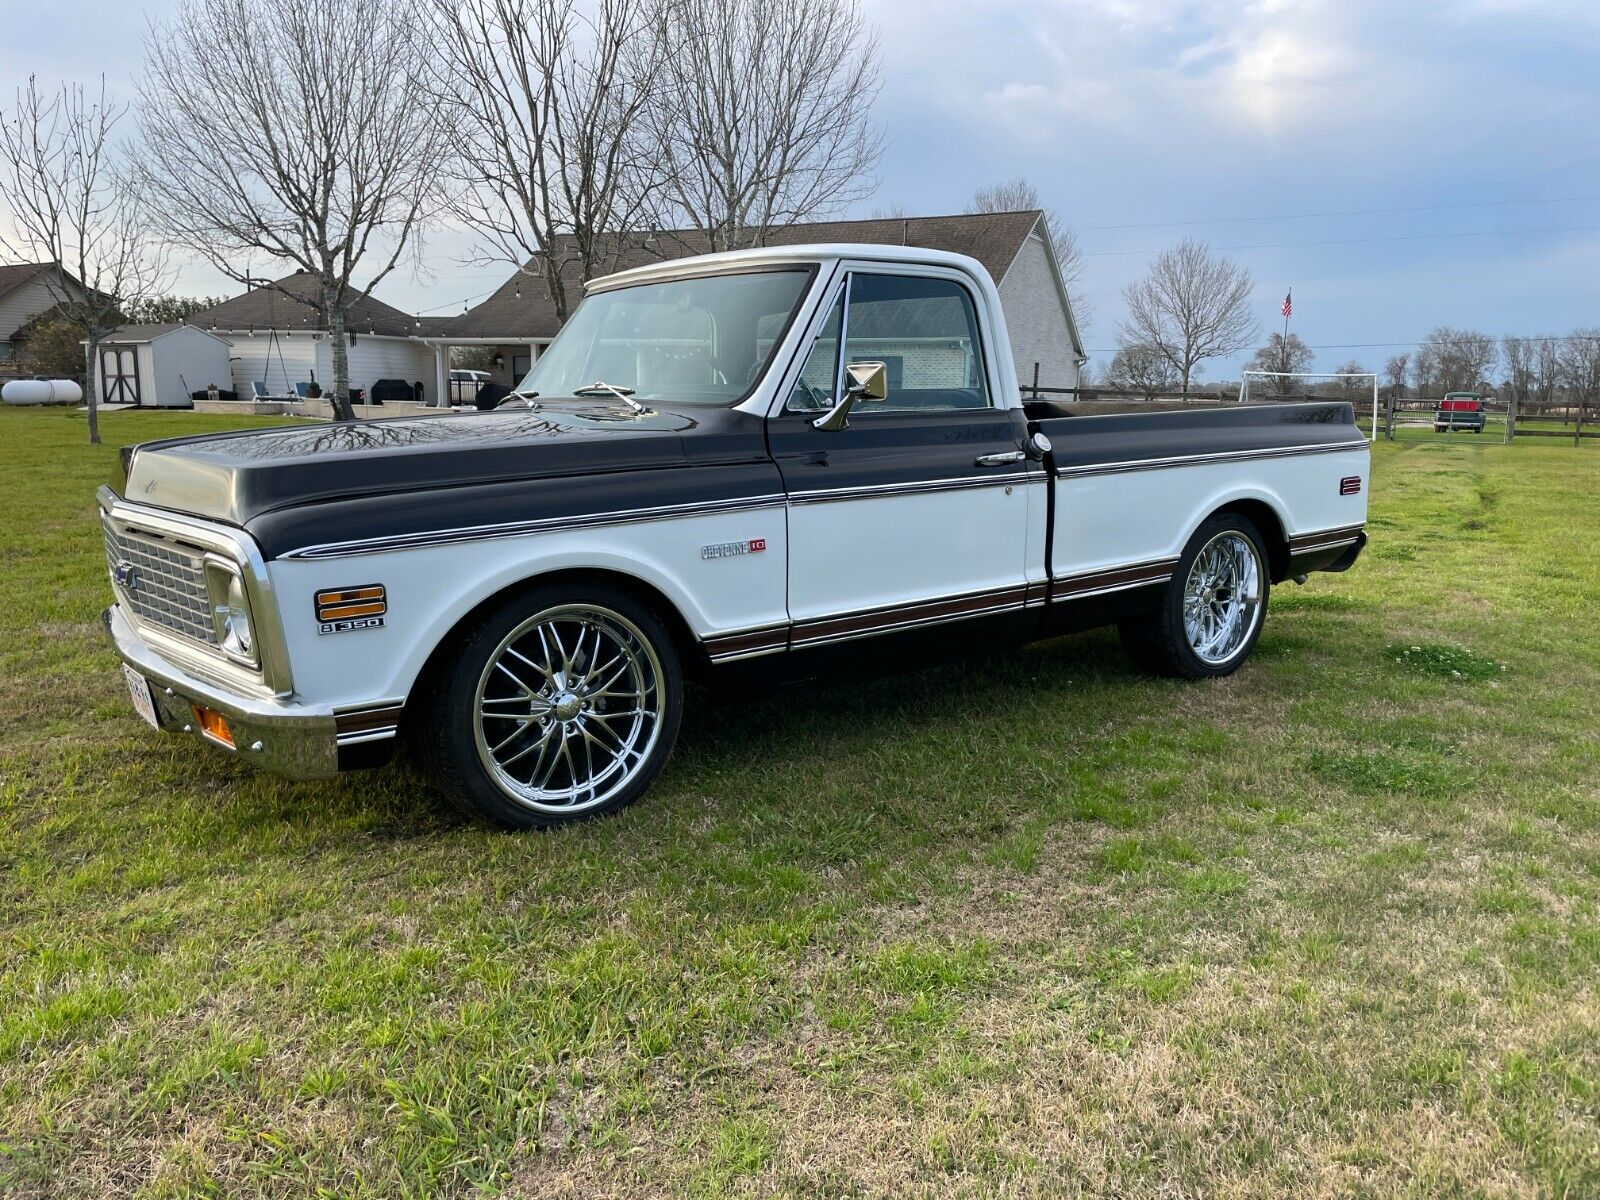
868 381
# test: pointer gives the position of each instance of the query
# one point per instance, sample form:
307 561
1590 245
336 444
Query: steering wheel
816 399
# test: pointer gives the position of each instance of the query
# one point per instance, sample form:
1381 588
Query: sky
1401 164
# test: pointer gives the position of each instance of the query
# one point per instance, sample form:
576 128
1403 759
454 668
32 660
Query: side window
925 331
814 390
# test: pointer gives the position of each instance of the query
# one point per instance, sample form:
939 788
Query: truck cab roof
826 253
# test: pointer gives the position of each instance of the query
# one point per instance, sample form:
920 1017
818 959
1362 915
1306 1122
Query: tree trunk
340 399
91 388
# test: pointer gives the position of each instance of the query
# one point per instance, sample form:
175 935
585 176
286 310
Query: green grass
1036 925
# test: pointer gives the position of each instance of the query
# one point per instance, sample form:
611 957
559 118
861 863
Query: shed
161 366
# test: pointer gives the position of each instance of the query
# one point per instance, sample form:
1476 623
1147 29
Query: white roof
817 253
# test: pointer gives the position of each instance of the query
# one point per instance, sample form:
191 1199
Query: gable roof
521 308
14 275
294 303
149 333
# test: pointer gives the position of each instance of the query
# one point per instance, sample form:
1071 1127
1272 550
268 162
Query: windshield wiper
601 388
527 398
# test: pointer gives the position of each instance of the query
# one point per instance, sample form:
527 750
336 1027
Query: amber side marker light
213 724
343 604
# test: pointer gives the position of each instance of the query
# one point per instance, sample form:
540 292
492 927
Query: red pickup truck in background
1459 410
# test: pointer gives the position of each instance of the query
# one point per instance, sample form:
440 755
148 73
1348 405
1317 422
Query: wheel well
1265 518
690 652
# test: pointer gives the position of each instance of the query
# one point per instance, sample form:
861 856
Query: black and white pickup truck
769 460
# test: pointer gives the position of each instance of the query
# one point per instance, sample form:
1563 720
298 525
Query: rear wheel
561 704
1211 611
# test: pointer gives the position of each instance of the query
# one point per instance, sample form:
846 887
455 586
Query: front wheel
1211 611
560 704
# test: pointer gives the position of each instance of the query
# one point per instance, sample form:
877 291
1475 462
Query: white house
161 366
279 341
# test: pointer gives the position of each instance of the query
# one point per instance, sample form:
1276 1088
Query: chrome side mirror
868 381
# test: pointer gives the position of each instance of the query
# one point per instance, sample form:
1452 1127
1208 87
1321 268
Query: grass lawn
1034 926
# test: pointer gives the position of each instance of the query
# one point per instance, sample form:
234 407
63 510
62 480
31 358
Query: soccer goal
1350 381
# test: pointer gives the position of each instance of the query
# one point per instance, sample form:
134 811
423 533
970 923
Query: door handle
1001 459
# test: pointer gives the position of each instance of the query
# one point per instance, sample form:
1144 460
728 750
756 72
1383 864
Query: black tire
1157 640
566 714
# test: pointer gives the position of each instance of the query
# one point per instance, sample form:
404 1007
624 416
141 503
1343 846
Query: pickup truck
1459 410
764 463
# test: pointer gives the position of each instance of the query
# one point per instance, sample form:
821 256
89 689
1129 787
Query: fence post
1511 417
1577 426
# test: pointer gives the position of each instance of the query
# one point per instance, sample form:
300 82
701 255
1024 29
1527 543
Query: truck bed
1126 488
1135 436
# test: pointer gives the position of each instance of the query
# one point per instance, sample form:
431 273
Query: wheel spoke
1222 597
539 745
549 745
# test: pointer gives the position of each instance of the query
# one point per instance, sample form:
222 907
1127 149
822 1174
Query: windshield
687 341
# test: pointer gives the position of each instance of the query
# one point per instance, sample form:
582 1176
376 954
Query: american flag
1288 303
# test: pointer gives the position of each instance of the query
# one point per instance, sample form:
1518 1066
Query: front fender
431 589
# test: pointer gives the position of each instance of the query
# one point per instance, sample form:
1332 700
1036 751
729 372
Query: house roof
149 333
520 307
14 275
293 303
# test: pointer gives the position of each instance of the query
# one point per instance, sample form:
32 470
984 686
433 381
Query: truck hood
235 477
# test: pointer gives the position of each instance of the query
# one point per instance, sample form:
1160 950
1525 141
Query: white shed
161 366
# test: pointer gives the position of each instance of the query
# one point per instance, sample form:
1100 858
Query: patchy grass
1034 926
1447 661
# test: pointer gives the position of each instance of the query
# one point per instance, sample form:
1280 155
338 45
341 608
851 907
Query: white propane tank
41 391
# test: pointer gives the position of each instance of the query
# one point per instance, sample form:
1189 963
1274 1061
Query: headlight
230 611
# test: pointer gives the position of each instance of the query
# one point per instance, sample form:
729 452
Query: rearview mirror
868 381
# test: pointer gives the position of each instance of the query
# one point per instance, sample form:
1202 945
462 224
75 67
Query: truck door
917 511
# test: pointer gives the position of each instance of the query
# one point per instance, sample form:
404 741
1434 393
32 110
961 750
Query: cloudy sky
1400 163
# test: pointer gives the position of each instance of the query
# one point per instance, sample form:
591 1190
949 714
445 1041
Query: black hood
236 477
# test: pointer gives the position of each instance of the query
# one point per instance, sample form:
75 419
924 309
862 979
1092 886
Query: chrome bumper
293 740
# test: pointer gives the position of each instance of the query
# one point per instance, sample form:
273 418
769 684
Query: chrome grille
168 583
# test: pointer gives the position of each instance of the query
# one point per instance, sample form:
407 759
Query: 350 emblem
729 549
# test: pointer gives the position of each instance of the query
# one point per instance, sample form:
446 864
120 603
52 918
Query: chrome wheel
1222 597
568 708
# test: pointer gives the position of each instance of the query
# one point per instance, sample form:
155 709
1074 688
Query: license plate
139 690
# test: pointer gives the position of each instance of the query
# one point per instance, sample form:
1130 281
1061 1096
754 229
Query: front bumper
294 740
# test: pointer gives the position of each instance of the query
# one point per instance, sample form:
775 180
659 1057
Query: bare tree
552 164
1284 356
1453 360
1192 306
70 205
1018 195
316 144
1395 372
1519 354
1356 387
1142 369
764 117
1580 365
1546 370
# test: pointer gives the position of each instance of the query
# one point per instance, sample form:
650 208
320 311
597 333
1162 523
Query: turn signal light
343 604
213 724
